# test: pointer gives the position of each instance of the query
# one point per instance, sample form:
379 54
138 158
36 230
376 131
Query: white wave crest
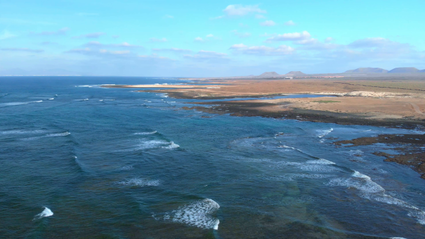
155 144
45 213
59 134
87 86
359 181
171 146
128 167
21 132
321 161
140 182
373 191
323 133
19 103
146 133
197 214
151 144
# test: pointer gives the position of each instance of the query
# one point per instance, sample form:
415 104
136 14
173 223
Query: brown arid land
391 102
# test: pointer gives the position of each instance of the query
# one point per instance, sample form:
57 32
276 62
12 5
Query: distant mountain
295 73
367 70
423 70
404 70
271 74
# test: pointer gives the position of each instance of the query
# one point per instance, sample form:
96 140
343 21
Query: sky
208 38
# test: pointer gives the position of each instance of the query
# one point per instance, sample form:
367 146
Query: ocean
81 161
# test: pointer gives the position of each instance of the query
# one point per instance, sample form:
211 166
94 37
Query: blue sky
208 38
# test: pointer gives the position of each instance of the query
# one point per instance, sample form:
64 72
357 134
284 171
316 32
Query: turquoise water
80 161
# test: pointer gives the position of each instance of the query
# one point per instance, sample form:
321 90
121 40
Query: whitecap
51 98
22 132
140 182
164 95
356 153
87 86
19 103
128 167
197 214
373 191
286 147
151 144
59 134
323 133
171 146
293 176
359 181
146 133
45 213
321 161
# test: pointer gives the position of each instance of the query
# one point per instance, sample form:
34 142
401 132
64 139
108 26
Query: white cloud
307 41
262 50
241 34
371 42
154 57
48 43
241 10
329 39
90 35
6 34
61 31
115 52
101 45
169 16
158 39
175 50
216 18
210 35
22 50
296 36
268 23
290 23
100 52
199 39
208 56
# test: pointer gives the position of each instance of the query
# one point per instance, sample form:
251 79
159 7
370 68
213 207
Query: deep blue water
113 163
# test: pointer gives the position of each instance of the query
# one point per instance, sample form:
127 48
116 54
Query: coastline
349 102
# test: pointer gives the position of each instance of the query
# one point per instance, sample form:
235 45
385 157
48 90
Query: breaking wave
372 191
59 134
197 214
19 103
146 133
45 213
323 133
17 132
154 144
140 182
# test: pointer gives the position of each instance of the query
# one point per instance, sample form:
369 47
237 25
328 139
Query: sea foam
59 134
372 191
45 213
140 182
323 133
197 214
19 103
146 133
